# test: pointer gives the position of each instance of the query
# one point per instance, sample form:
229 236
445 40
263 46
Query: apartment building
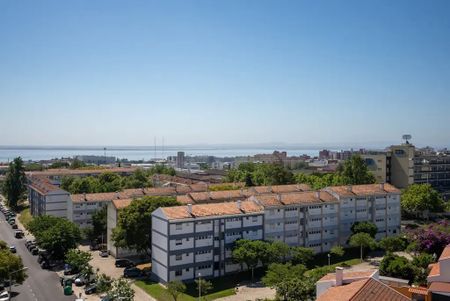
46 198
314 219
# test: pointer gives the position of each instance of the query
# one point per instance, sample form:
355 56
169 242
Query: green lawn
25 217
160 293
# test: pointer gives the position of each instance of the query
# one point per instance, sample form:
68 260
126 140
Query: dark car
34 251
90 289
14 226
104 253
13 249
68 270
19 234
124 263
132 272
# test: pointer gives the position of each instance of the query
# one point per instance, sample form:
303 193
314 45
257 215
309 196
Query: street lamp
10 280
329 259
199 286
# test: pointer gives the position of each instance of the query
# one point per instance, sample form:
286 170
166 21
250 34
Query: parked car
132 272
11 221
4 296
19 234
69 270
31 246
34 251
14 226
90 289
13 249
124 263
104 253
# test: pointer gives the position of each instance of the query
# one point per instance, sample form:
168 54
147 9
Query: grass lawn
160 293
25 217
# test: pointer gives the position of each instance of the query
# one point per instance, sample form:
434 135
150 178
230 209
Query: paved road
41 285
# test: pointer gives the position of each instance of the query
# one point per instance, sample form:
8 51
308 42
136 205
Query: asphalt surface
41 285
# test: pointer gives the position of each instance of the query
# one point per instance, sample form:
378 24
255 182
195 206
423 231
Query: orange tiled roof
363 190
204 210
435 269
120 204
64 171
362 290
445 253
437 286
43 185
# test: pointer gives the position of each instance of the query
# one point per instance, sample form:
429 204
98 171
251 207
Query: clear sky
313 72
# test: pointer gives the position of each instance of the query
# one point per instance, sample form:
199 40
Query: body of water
137 153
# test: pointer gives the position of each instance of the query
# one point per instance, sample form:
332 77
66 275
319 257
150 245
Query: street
41 285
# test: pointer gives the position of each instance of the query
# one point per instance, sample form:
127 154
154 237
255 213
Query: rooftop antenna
406 137
162 152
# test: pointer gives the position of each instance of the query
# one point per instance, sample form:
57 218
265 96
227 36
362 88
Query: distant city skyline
333 73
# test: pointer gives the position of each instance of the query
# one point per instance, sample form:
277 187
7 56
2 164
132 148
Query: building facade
192 239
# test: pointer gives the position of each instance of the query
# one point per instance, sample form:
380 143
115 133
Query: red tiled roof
363 290
363 190
63 171
204 210
445 253
120 204
349 275
435 269
418 290
43 185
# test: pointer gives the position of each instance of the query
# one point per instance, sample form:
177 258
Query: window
187 270
178 242
179 226
178 257
178 272
254 219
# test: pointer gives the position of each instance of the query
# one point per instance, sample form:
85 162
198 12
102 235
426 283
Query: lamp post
199 286
10 280
329 259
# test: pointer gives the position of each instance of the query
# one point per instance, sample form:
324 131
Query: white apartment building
46 198
192 239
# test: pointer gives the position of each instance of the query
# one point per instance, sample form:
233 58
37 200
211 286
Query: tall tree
78 260
355 171
203 286
250 253
393 243
365 227
14 186
418 198
99 223
134 223
56 235
301 255
121 290
10 263
362 240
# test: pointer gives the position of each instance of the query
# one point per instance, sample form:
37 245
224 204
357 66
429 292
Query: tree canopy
420 197
365 227
393 243
134 223
121 290
10 262
353 172
78 260
175 288
362 240
14 186
397 266
256 174
55 234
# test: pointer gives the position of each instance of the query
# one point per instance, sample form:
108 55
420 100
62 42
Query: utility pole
199 286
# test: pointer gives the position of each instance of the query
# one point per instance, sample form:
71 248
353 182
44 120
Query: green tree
121 290
392 243
260 174
302 255
54 234
249 252
418 198
175 288
108 182
362 240
10 263
278 251
134 223
103 283
289 281
355 171
78 259
364 227
203 286
99 223
421 262
337 250
14 186
76 164
397 266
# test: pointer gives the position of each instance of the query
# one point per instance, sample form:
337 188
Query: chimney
189 208
349 188
239 204
84 196
339 276
117 195
318 194
382 186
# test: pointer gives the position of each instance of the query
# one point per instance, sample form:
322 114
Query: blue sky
311 72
